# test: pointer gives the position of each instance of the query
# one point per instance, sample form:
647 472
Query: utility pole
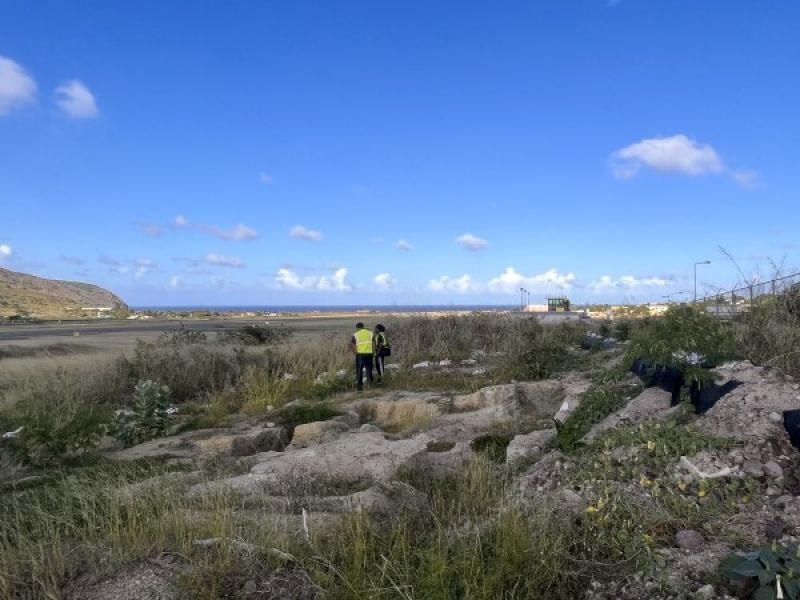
702 262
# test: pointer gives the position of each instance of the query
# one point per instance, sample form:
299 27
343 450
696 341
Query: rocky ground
300 482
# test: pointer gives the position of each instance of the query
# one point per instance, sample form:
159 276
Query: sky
375 152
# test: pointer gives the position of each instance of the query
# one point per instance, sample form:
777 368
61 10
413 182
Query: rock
776 418
369 428
469 362
262 440
442 463
783 501
706 592
318 432
349 418
753 468
341 374
393 367
289 377
646 405
543 397
773 469
689 539
477 354
384 500
477 372
528 447
445 363
357 460
322 378
421 365
249 587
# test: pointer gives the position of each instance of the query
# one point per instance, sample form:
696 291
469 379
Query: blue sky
398 152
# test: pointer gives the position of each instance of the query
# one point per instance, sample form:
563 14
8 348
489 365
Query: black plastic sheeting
791 421
671 380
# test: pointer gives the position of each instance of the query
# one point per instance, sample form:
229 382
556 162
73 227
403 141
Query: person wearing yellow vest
362 347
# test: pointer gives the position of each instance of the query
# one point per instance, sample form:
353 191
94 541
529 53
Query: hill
24 294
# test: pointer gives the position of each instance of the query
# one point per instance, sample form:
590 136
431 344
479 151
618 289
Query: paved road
88 328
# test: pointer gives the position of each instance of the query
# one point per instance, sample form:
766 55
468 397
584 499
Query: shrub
56 433
769 333
182 336
299 414
257 335
684 330
149 416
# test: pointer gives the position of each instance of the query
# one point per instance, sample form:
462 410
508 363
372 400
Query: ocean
334 308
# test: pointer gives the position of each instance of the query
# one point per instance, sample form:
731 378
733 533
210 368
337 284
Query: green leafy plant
768 573
149 416
682 330
50 437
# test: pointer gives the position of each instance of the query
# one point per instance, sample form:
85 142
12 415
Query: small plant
257 335
769 573
182 336
149 416
493 445
299 414
50 437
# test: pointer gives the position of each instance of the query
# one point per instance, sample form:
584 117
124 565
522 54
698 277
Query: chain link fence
727 304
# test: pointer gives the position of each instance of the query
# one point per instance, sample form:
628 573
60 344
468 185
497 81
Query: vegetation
149 416
767 573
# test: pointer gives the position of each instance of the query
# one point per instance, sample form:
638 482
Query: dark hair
380 327
359 326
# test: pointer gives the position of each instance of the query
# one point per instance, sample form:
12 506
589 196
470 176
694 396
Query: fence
732 302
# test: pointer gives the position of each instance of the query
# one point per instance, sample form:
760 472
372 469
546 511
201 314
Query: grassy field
62 515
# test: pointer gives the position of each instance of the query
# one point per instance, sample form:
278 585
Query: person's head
380 328
359 326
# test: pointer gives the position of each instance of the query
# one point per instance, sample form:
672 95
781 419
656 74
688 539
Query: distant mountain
23 294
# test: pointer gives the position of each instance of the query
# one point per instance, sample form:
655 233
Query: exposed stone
249 587
646 405
369 428
469 362
773 469
529 446
774 529
776 418
393 367
350 460
753 468
445 363
290 377
706 592
421 365
318 432
689 539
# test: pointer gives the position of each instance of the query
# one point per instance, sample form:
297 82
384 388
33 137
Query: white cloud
404 246
458 285
17 88
72 260
218 260
76 101
238 233
747 178
472 242
507 282
265 178
180 222
627 282
151 229
288 279
384 281
675 155
298 232
143 267
5 251
510 281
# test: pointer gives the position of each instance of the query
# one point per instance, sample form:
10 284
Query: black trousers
379 366
363 361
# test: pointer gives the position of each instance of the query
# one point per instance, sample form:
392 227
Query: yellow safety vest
363 341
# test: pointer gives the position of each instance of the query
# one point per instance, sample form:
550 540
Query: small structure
558 304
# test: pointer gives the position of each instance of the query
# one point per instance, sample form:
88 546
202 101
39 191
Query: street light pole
521 298
702 262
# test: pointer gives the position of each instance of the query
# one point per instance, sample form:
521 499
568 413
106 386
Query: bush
257 335
51 435
684 330
149 416
299 414
769 333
